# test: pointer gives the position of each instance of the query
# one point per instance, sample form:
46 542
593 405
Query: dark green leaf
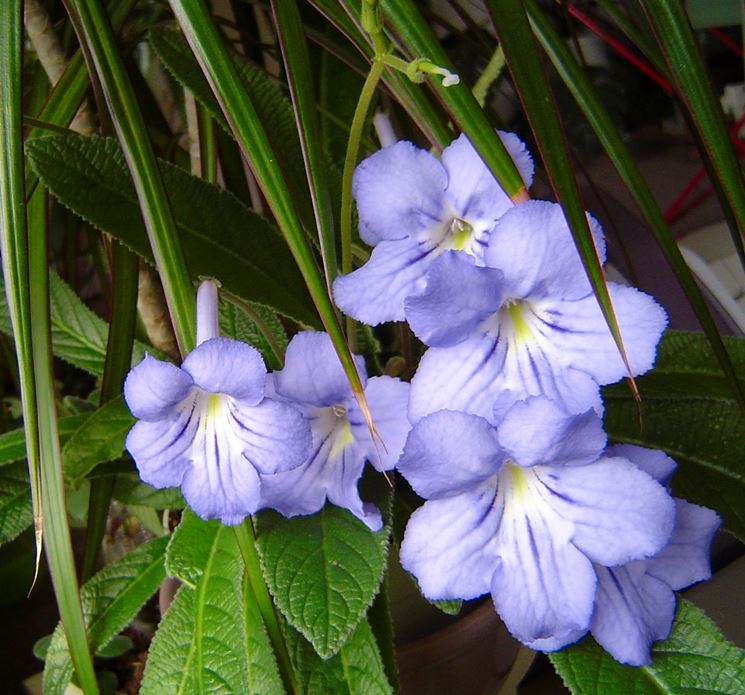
129 489
262 329
98 440
694 659
15 501
688 411
221 237
212 638
13 443
323 571
121 644
111 599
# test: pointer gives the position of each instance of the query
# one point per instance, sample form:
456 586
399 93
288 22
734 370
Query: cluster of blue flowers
500 430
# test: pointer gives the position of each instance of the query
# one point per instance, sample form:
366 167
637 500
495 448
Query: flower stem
246 538
350 160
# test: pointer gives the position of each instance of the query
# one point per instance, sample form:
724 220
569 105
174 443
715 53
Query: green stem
490 75
350 160
207 144
246 538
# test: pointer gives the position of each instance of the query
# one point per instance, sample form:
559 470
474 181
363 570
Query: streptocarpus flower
523 510
526 325
412 207
314 381
635 603
207 427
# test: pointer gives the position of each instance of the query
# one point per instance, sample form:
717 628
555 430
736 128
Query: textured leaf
235 323
272 106
98 440
694 659
111 599
221 237
13 443
15 501
212 638
190 546
356 670
688 411
323 571
78 335
129 489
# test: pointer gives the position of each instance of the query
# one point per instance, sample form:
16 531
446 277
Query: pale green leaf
694 659
212 638
110 599
190 546
98 440
323 571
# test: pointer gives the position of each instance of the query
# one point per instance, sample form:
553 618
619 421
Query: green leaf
111 599
212 638
190 546
694 659
356 670
323 571
13 443
89 175
130 490
121 644
688 410
272 106
98 440
15 501
262 329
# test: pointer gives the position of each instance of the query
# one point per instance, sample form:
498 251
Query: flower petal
472 189
619 512
153 388
162 449
632 610
399 191
448 453
579 336
458 297
652 461
533 247
375 292
273 436
538 430
685 559
313 374
543 587
388 400
222 365
450 545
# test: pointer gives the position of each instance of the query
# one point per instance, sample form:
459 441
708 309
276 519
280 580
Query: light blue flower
525 325
206 426
635 603
523 511
412 207
314 381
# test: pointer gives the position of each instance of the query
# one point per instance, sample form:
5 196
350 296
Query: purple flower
412 207
635 603
523 510
526 325
207 427
314 381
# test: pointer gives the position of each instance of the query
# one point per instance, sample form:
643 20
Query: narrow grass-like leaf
323 571
99 41
688 411
523 59
99 439
694 659
247 255
356 670
417 37
13 443
253 138
111 599
602 124
675 37
212 638
302 88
